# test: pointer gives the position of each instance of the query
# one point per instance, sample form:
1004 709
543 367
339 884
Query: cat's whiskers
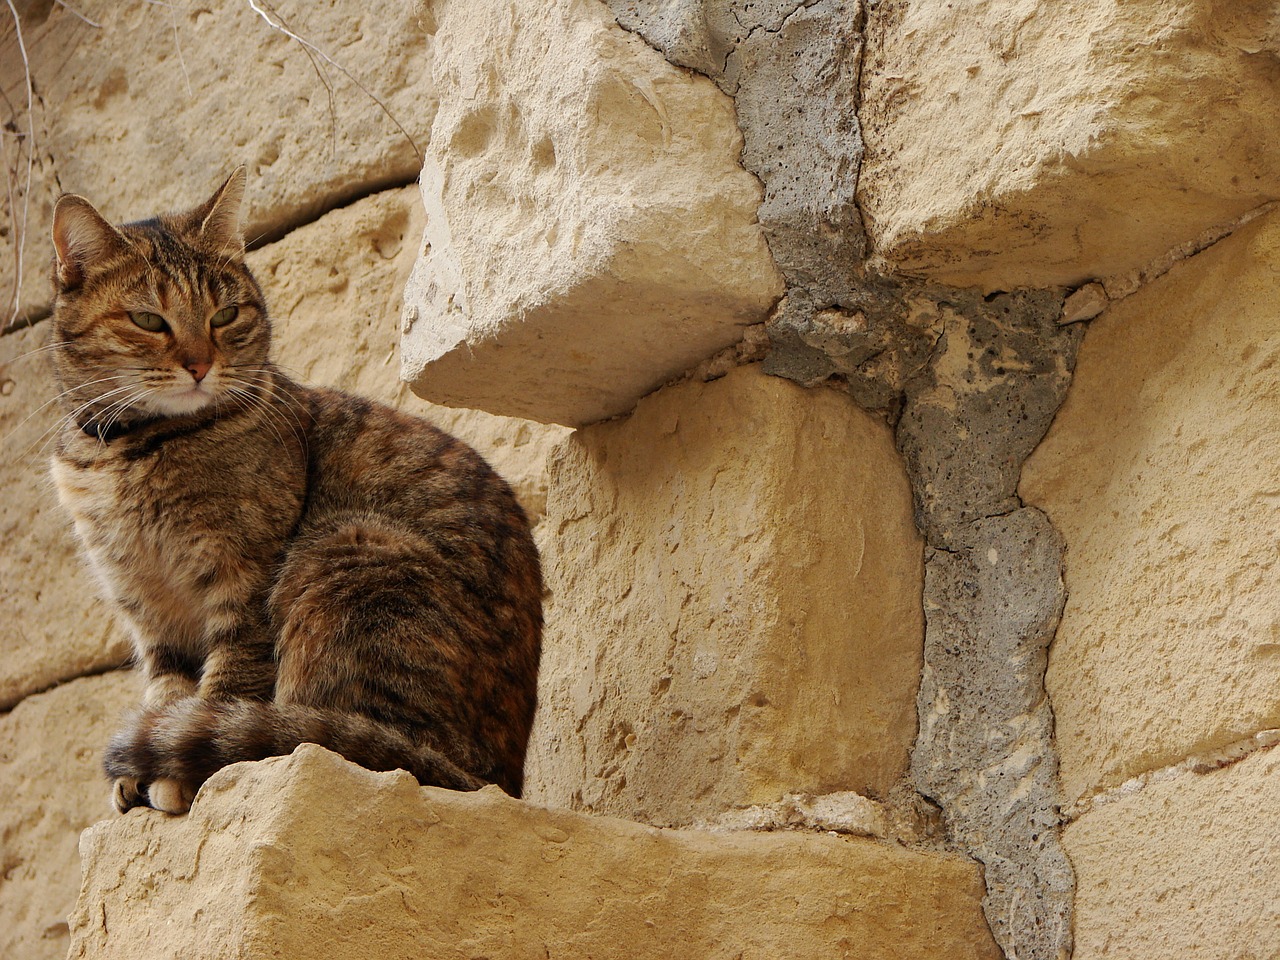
269 413
120 407
54 399
50 434
58 345
265 378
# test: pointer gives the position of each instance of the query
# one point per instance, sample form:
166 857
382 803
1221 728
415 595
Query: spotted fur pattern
294 564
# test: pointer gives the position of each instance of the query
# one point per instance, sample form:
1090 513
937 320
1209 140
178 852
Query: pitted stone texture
793 70
159 101
312 858
985 750
998 373
52 625
1183 867
590 234
1160 471
52 783
734 605
334 289
1038 144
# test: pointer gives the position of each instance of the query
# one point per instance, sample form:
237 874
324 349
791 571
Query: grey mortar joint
970 383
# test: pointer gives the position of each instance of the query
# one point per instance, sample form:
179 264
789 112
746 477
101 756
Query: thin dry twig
76 13
20 227
279 25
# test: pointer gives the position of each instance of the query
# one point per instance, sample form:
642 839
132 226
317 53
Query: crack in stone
1196 764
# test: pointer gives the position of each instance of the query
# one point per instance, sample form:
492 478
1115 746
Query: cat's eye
151 322
224 316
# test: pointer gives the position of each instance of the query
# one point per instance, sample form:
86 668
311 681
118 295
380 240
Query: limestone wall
895 384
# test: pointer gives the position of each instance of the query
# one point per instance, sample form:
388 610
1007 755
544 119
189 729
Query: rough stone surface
52 783
1084 303
985 750
972 383
267 861
1160 471
793 70
590 234
52 625
1184 867
335 287
733 608
1038 144
119 103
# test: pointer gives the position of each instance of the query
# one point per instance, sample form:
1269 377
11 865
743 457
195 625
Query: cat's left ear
219 216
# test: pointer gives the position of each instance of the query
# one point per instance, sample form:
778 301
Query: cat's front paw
171 796
127 793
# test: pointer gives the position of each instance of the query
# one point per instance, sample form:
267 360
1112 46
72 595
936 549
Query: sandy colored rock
590 233
53 787
53 626
150 109
734 609
1185 867
1033 144
1160 472
310 857
335 287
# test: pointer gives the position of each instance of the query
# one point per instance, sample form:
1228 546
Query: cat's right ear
80 237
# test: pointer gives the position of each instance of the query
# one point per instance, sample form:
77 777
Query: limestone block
334 288
1034 144
312 858
792 68
590 233
150 108
734 607
53 787
1185 867
53 626
1160 472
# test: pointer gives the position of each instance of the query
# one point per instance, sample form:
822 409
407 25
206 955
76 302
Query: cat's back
368 459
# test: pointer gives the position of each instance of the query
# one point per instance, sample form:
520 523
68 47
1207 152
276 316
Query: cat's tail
191 739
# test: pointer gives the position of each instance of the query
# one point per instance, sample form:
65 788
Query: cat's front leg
172 673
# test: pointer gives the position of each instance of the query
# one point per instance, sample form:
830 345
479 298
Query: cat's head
158 318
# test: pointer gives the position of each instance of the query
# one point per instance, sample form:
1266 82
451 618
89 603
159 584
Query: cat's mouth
187 398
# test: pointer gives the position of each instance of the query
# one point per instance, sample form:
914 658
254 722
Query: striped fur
294 564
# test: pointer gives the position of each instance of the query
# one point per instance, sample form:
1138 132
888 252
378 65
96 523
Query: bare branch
20 229
253 4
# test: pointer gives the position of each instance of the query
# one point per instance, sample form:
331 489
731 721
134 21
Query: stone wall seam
1199 764
887 340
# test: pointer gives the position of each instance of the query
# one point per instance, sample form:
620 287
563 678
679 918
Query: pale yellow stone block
1184 867
590 232
312 858
1029 143
1160 472
734 607
53 787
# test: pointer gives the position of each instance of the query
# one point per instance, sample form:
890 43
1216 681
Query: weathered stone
1084 303
52 625
124 105
1040 144
310 857
590 234
1185 866
998 373
334 288
793 68
53 787
734 605
1160 473
985 750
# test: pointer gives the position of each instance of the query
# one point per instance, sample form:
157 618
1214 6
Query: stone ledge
310 856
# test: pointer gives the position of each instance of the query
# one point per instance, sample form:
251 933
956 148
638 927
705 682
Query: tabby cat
294 564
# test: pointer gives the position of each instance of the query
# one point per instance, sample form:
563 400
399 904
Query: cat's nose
198 369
